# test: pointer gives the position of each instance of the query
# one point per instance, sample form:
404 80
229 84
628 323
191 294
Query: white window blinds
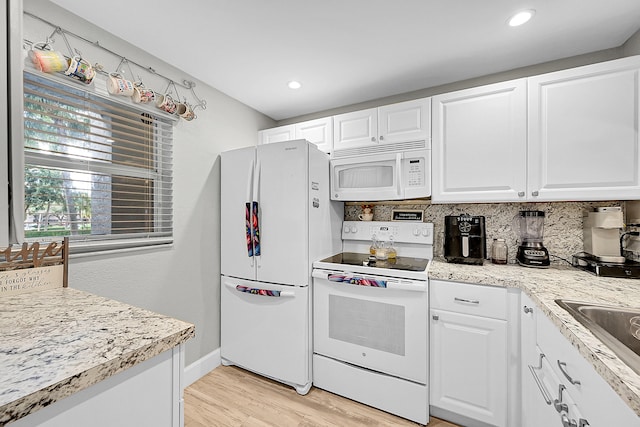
97 170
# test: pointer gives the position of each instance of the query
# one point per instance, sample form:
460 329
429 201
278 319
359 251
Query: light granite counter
57 342
544 286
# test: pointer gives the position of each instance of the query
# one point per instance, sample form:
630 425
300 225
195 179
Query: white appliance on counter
276 219
370 325
386 175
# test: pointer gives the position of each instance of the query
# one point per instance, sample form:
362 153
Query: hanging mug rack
79 68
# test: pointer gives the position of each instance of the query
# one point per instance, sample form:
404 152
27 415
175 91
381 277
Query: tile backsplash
562 223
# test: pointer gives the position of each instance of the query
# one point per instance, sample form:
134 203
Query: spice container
499 251
374 245
391 251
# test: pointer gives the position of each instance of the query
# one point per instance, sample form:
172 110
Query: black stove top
400 263
628 269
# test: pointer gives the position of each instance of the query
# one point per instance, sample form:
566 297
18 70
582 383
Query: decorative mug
185 111
166 103
118 85
80 69
142 95
47 60
366 216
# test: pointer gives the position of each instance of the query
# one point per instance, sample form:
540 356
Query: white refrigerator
276 220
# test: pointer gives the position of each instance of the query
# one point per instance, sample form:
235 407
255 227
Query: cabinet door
583 133
480 144
279 134
405 121
319 132
468 366
356 129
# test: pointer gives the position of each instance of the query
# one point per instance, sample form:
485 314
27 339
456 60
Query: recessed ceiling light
521 17
294 84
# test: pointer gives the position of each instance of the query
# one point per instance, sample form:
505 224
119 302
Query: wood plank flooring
230 396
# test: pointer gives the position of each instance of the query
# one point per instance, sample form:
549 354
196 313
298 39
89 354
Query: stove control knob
425 232
354 229
416 231
347 228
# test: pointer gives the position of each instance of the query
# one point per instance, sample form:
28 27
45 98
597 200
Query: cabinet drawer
479 300
597 401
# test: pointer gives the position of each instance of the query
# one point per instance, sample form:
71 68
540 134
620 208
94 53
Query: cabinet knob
534 193
435 317
373 139
527 310
381 137
520 193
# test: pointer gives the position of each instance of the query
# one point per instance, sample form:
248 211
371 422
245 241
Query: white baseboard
201 367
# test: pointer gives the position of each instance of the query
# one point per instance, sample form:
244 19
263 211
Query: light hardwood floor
230 396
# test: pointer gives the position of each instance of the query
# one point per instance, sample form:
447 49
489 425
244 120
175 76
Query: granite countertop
546 285
57 342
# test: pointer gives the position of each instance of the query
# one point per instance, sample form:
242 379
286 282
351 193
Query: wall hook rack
186 84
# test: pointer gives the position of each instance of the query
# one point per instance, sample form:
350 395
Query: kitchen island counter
58 342
544 286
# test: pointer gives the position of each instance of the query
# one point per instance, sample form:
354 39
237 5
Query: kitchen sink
617 327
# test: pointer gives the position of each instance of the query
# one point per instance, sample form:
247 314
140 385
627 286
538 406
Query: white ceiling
350 51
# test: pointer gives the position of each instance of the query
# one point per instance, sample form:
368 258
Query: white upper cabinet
319 132
583 132
405 121
480 144
278 134
402 122
567 135
356 129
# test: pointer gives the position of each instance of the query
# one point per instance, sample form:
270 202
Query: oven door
375 322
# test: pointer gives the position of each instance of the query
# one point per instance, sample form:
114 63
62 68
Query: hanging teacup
80 69
141 94
47 60
118 85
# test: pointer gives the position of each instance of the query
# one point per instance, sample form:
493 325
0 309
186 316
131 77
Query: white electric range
370 325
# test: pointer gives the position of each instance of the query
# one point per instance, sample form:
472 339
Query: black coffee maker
465 241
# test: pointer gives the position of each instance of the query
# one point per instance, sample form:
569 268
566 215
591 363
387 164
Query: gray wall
182 281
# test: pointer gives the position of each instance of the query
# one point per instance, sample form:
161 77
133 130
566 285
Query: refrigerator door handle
261 292
247 214
255 213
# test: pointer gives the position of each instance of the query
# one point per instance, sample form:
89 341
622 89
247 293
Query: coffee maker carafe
530 226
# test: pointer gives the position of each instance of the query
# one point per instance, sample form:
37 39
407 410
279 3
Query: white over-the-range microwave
391 175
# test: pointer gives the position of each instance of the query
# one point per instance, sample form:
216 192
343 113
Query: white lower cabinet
149 394
559 386
469 353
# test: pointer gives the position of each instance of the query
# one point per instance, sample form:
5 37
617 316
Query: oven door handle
390 283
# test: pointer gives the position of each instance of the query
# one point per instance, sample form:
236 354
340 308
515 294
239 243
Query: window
96 169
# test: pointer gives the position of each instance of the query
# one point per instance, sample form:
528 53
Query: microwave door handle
399 174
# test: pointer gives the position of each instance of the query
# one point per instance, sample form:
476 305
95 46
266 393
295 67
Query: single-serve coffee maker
530 226
601 233
465 241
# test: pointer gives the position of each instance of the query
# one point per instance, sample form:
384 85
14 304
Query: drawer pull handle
558 403
566 421
469 301
543 390
563 369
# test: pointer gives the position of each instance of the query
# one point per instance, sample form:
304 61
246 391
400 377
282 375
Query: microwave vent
380 149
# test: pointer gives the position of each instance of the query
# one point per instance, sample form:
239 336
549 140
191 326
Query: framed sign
406 215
